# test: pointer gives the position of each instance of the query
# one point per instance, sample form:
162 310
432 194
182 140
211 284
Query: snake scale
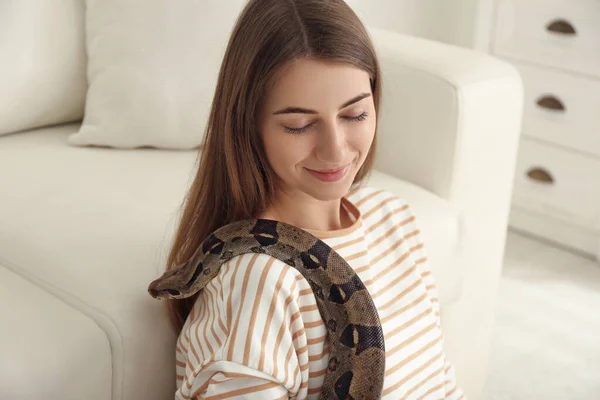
356 366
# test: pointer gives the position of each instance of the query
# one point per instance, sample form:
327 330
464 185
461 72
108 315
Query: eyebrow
300 110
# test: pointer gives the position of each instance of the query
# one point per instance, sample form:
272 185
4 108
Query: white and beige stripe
256 332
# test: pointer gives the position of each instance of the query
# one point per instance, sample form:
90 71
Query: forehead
317 84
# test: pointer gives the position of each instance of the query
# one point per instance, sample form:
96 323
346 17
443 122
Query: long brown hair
234 180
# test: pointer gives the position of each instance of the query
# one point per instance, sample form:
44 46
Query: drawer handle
551 103
562 27
540 175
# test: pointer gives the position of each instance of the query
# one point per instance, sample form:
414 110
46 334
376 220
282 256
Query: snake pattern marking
356 366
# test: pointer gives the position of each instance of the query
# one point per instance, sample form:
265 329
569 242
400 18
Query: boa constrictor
356 366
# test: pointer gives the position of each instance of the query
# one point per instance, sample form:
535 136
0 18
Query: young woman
291 136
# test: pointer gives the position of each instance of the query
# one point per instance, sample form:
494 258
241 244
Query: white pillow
152 70
42 63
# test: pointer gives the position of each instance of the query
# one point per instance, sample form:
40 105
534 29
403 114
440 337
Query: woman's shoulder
257 266
374 201
383 211
244 275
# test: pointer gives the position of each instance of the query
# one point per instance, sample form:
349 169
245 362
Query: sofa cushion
94 225
45 343
152 69
43 64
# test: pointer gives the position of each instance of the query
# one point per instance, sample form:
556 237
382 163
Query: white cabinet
555 44
555 33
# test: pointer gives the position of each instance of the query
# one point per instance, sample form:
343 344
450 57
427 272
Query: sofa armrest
444 109
450 122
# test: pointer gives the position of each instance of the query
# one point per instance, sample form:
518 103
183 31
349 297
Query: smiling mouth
328 171
333 176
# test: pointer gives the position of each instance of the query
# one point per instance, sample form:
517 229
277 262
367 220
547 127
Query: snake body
356 366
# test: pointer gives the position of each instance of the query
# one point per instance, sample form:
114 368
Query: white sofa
84 230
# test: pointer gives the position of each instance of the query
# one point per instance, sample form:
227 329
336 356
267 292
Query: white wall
450 21
398 15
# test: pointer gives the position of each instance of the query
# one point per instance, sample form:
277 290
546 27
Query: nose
331 147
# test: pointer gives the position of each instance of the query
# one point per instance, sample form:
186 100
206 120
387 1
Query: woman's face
318 117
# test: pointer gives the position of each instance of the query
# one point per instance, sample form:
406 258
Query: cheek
284 150
363 138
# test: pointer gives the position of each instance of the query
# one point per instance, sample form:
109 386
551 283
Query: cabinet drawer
561 108
558 33
558 183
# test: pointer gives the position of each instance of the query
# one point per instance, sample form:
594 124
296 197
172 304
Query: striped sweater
255 331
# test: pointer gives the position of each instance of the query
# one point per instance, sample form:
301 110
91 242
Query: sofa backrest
43 63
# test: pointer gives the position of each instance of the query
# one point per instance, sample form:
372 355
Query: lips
330 175
328 171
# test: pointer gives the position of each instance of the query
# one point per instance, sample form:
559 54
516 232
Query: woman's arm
452 391
241 339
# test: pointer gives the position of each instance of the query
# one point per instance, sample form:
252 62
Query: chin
329 192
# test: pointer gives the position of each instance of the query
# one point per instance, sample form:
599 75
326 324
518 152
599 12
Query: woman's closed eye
357 118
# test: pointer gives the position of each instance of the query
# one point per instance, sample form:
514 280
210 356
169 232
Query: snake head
162 294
